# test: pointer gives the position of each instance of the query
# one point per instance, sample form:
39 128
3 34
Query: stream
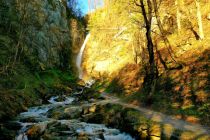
36 120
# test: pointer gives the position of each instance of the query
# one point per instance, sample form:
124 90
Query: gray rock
46 30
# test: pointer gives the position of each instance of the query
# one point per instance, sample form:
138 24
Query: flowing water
89 82
40 117
79 56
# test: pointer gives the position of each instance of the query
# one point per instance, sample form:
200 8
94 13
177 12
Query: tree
152 72
199 19
163 34
178 3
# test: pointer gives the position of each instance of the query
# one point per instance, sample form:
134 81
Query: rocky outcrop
40 31
47 33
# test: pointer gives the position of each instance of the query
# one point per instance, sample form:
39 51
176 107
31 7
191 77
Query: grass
22 88
55 76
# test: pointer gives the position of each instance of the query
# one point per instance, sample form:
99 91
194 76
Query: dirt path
160 117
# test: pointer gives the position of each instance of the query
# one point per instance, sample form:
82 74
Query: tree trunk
151 77
199 18
162 31
178 14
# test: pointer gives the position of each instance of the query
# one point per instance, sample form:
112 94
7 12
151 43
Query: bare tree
162 31
199 18
152 72
178 14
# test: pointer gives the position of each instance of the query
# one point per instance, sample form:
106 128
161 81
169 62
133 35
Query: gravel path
160 117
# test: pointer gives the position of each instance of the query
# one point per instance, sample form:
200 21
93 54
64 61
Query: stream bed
37 123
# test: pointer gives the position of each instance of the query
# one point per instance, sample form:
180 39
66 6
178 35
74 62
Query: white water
92 130
22 135
36 111
68 100
95 129
40 114
108 133
90 82
79 57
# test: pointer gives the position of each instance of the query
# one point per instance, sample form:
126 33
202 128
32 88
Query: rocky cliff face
34 36
48 34
41 30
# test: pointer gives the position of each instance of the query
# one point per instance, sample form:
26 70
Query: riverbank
93 115
31 90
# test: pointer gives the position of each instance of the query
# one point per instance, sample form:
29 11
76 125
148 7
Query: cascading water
39 117
90 82
79 56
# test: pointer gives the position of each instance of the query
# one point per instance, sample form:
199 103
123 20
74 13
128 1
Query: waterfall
79 57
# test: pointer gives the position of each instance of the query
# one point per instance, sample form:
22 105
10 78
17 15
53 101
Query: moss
23 88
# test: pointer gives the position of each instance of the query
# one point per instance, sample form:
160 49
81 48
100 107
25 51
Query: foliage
180 54
55 76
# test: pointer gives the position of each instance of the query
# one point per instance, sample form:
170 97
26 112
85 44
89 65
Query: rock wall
41 30
34 36
47 35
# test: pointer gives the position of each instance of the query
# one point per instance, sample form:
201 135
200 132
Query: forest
121 70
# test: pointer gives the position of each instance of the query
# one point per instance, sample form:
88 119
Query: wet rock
144 134
73 112
60 99
29 119
92 109
65 113
85 137
188 135
55 114
143 131
56 130
92 100
154 138
155 130
168 130
36 131
85 110
204 137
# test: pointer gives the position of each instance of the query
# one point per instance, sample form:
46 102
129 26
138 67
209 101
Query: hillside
117 52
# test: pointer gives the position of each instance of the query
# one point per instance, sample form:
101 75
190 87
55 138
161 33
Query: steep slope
41 29
35 52
119 46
